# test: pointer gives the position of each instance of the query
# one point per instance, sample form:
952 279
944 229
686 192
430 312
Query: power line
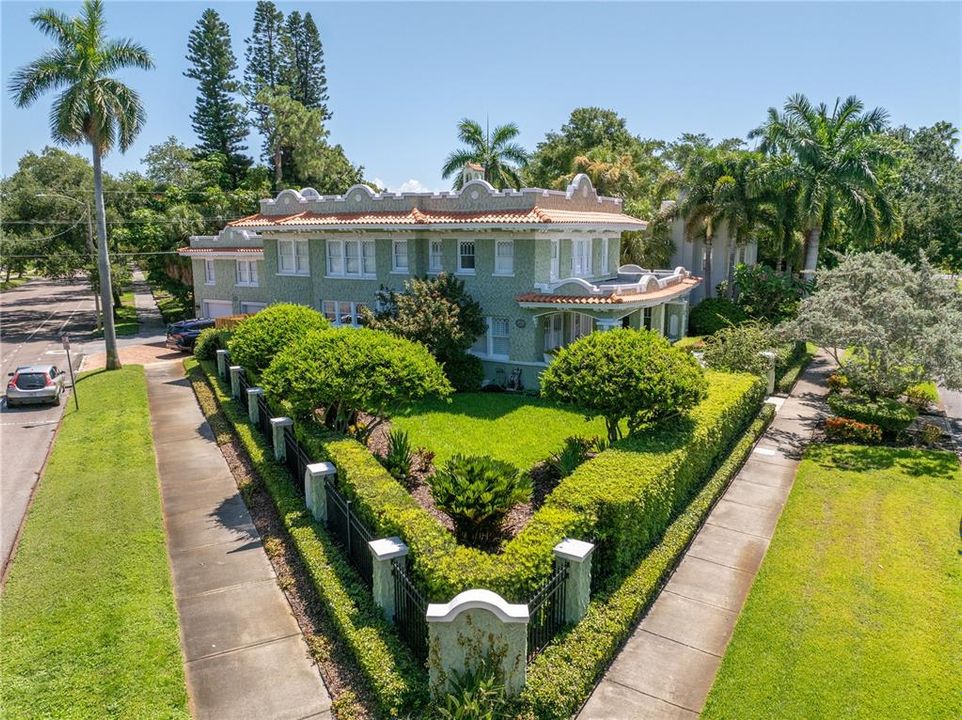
225 218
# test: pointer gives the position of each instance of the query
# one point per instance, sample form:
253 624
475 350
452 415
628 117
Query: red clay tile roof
548 298
416 217
209 250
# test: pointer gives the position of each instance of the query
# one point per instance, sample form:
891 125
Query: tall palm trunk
709 291
811 251
103 265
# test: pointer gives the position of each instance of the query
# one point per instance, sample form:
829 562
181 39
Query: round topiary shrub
464 371
712 314
260 337
209 341
625 375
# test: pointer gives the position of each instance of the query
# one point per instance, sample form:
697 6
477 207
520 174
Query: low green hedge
562 677
396 680
790 364
890 415
623 498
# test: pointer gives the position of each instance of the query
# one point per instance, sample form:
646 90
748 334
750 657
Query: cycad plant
91 108
495 151
399 456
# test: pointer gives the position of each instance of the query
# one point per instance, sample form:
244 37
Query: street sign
65 339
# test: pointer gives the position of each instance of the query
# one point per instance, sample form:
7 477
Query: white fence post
277 429
383 551
315 491
235 373
577 554
253 410
222 364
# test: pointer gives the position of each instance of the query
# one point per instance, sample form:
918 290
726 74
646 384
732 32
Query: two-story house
542 263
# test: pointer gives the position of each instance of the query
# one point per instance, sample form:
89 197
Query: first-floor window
504 257
247 272
581 325
466 256
342 313
249 308
400 256
292 257
209 277
495 342
436 256
553 332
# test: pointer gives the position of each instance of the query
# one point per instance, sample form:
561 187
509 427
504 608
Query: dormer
471 171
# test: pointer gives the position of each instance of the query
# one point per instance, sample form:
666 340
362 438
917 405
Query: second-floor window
504 257
603 260
555 270
580 258
247 273
292 257
436 256
209 277
466 257
399 256
351 258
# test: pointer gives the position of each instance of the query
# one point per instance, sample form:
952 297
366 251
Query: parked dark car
182 335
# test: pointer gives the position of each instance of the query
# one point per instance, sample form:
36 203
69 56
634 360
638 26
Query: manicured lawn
856 610
125 320
89 626
518 429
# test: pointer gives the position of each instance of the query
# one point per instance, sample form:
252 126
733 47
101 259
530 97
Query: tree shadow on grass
912 461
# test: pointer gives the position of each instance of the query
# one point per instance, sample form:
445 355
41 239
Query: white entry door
218 308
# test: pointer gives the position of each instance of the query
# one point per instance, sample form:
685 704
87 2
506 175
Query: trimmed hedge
890 415
623 498
562 677
790 365
712 314
257 339
396 680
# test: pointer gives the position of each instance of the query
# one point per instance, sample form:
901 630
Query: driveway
34 316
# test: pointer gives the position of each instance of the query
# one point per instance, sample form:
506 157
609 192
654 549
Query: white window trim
554 260
585 271
468 271
210 274
295 272
252 274
496 273
395 269
342 249
488 336
439 268
355 314
604 267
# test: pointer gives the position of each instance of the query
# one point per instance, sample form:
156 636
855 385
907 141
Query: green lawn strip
395 679
788 376
89 623
125 317
856 610
562 677
13 283
516 429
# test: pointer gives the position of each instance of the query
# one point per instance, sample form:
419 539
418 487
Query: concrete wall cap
322 469
255 391
281 422
221 352
235 368
477 600
574 550
388 548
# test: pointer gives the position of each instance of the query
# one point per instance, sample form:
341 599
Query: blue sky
401 74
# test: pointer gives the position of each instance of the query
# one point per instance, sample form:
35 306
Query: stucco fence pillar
277 430
222 360
474 626
235 375
315 489
383 552
577 553
253 410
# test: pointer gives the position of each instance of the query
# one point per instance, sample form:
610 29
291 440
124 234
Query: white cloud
379 182
412 185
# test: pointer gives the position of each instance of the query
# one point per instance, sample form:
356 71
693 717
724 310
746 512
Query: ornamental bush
625 375
712 314
209 341
477 492
922 395
890 415
347 371
840 429
765 294
260 337
738 348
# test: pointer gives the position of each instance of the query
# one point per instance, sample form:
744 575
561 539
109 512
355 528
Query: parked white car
35 384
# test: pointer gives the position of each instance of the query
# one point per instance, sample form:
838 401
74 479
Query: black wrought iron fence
264 420
410 610
546 610
296 459
349 531
242 382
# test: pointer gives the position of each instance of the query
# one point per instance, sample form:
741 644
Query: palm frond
48 72
124 53
55 25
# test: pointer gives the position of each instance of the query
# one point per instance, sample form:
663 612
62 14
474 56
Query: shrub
257 339
922 395
209 342
632 375
347 371
399 456
890 415
477 492
837 382
475 694
712 314
575 451
738 348
929 434
464 372
765 294
840 429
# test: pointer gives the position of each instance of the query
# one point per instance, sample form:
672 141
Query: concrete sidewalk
668 665
244 653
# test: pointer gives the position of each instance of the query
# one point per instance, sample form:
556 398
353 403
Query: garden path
667 667
243 650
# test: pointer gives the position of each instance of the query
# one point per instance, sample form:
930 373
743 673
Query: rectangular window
342 313
581 325
209 278
555 260
247 273
500 343
399 255
292 257
504 257
646 318
350 258
436 256
603 260
466 257
581 258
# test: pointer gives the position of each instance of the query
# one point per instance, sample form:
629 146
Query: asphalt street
33 318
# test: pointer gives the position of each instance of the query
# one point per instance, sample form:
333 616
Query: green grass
856 610
89 626
518 429
13 283
125 317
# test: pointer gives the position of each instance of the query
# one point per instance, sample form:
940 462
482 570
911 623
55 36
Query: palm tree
835 160
495 152
92 107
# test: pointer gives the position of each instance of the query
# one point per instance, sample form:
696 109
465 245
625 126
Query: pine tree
218 119
305 73
265 63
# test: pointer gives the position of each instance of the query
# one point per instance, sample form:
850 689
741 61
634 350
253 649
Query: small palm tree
495 152
92 108
834 161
